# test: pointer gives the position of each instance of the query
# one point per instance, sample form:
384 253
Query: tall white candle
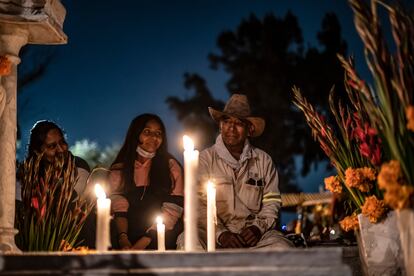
190 195
211 216
160 234
103 220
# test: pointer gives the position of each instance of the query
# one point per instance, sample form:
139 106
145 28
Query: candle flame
159 220
99 191
188 143
210 185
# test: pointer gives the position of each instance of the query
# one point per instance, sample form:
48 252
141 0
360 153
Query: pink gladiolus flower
365 150
371 131
353 84
376 156
35 203
323 132
43 211
359 134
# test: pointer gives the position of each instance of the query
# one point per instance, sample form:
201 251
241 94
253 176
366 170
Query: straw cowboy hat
238 106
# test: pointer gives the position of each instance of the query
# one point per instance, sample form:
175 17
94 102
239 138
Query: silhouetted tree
193 112
264 59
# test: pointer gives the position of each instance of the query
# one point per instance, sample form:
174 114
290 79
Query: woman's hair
38 135
127 154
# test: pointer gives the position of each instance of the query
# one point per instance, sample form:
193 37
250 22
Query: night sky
126 57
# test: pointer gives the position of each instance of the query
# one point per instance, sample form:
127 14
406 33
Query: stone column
21 22
11 41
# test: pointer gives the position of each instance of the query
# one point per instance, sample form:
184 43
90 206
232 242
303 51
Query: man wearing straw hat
248 198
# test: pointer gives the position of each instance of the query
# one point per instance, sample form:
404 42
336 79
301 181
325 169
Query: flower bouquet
51 217
389 103
354 150
374 151
391 107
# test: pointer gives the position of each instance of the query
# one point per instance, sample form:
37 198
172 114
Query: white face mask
145 153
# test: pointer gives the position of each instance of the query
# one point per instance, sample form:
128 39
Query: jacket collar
224 153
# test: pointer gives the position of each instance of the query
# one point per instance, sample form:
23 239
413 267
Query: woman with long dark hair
47 138
146 181
53 178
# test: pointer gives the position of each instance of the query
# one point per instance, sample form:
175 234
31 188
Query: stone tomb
313 261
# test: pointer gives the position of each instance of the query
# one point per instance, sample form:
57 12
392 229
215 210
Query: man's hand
251 235
231 240
124 242
142 243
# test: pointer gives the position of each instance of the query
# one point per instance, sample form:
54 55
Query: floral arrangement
51 218
373 147
354 158
389 103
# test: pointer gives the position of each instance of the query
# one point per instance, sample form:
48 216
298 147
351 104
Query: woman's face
54 145
150 138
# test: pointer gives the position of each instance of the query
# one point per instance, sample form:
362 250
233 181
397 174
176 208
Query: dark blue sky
124 58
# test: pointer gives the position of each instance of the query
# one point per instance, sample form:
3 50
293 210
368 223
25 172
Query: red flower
35 203
359 134
365 150
353 84
40 211
43 211
323 132
371 131
376 156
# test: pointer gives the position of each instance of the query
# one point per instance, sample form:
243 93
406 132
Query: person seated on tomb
47 140
146 181
248 198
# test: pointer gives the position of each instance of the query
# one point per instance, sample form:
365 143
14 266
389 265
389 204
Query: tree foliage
92 153
264 58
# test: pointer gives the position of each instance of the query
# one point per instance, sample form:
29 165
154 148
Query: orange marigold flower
390 175
409 112
399 196
360 179
332 184
373 208
368 173
349 223
352 178
5 66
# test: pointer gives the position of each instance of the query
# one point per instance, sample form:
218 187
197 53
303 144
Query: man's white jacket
247 189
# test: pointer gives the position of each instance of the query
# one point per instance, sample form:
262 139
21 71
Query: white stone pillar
21 22
11 40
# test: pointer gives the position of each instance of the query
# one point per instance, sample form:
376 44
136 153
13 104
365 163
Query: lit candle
211 216
190 195
160 234
103 219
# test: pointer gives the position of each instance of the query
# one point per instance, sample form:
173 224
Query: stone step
313 261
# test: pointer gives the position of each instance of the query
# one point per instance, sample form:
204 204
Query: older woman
47 138
146 181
